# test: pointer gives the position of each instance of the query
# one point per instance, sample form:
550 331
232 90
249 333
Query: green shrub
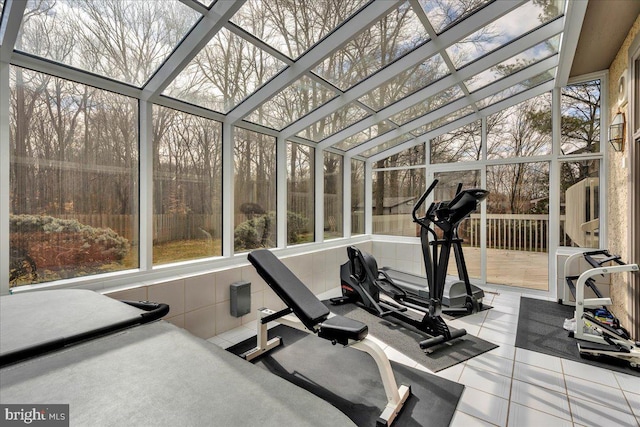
256 232
65 244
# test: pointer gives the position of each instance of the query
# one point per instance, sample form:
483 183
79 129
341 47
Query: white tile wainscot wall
201 303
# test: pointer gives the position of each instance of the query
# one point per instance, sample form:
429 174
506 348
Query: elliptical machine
373 289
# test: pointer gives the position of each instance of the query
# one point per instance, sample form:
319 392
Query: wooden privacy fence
167 227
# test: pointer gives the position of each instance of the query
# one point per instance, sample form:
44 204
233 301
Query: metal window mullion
413 58
12 14
5 177
346 197
553 231
73 74
190 46
282 191
573 20
331 43
368 197
228 189
483 205
145 221
603 236
319 194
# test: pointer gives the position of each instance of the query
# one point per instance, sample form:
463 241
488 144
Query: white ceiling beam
573 19
415 57
12 14
435 88
454 106
198 37
68 73
476 67
492 109
371 13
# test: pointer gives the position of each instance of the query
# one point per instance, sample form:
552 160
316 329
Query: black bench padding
342 329
289 288
305 305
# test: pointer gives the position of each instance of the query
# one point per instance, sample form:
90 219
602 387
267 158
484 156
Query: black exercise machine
407 297
312 316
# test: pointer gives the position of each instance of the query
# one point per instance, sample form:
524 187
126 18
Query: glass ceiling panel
386 145
443 14
364 136
406 83
527 17
223 73
443 120
335 122
125 40
290 26
391 37
431 103
516 63
292 103
517 88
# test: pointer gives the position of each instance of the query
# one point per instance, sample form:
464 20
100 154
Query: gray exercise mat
349 380
32 318
405 338
160 375
540 329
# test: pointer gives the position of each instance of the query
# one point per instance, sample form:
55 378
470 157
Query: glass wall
395 193
254 190
580 177
461 145
469 229
73 179
518 225
300 193
580 204
333 200
187 184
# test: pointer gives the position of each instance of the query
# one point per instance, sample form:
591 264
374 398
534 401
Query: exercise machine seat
313 314
341 329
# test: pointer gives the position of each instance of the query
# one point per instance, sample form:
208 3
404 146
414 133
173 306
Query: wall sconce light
617 131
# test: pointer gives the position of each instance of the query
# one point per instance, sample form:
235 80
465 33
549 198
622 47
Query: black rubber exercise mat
540 329
405 338
349 379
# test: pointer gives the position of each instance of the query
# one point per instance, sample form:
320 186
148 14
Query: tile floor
509 386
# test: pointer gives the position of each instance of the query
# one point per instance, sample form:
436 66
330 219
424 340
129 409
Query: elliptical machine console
387 292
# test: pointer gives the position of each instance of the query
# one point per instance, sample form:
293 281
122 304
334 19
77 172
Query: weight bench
312 316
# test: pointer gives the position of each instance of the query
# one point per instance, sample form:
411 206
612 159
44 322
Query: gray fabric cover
160 375
31 318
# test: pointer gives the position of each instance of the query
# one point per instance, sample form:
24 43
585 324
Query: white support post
319 194
281 193
346 197
5 166
146 186
368 198
228 188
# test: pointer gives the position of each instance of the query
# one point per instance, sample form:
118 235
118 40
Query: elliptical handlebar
420 202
